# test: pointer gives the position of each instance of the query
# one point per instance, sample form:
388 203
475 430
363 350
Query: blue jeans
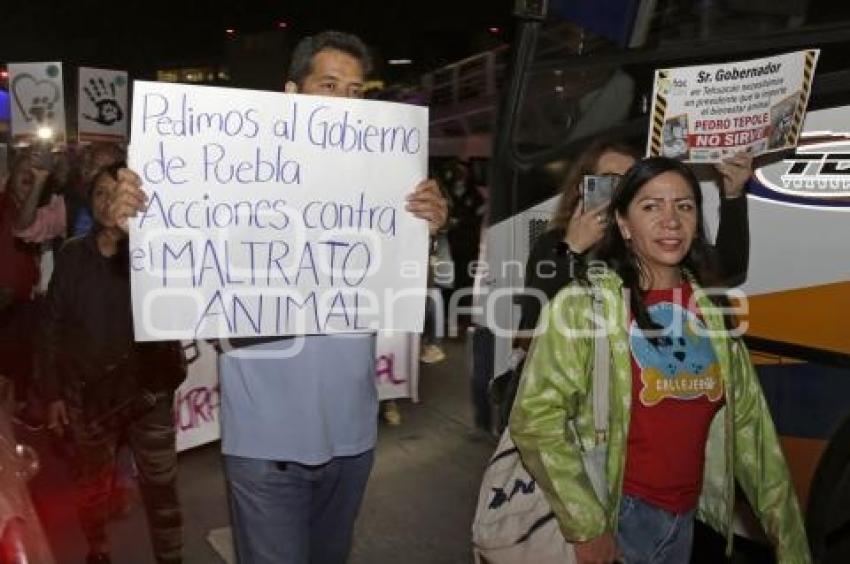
290 513
650 535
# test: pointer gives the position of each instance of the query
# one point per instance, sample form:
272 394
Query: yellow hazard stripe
657 120
799 114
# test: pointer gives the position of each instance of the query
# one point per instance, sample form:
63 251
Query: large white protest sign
707 113
102 105
38 101
274 214
197 402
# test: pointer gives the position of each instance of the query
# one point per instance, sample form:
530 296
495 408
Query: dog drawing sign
37 101
102 107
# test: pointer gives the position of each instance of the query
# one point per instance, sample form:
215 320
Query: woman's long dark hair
701 261
583 165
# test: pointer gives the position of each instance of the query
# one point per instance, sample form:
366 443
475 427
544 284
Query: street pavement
417 510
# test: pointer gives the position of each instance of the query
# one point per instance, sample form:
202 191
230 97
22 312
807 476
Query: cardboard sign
708 113
275 214
37 101
102 105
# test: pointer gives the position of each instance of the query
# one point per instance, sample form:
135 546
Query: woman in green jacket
687 415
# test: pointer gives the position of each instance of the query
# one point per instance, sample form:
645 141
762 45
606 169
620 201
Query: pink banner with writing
197 401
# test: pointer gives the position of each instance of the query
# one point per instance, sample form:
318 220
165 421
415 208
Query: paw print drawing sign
41 109
105 101
35 98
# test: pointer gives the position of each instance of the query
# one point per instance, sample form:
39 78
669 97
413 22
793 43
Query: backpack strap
601 369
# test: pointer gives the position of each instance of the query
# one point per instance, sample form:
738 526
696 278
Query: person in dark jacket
100 385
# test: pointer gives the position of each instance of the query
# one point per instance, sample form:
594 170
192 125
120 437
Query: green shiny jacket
555 388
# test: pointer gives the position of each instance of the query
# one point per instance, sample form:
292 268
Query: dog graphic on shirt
681 363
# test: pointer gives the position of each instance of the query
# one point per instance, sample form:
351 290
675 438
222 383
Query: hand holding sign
427 202
735 171
126 198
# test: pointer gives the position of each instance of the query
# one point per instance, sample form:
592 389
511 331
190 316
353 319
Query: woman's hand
586 229
601 550
735 171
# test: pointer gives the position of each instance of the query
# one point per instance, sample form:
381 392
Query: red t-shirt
676 391
18 260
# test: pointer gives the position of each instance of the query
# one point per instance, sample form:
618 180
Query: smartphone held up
597 190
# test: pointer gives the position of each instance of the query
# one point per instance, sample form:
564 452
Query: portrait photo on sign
782 120
674 137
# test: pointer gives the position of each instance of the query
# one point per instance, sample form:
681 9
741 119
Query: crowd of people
297 456
68 342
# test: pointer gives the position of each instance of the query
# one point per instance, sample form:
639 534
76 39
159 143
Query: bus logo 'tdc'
820 168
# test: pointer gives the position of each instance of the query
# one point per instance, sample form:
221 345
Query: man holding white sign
299 416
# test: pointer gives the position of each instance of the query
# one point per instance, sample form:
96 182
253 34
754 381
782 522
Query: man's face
334 73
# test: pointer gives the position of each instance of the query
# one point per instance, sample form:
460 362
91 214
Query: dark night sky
141 35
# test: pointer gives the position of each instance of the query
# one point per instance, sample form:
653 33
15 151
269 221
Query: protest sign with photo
38 102
275 214
102 105
707 113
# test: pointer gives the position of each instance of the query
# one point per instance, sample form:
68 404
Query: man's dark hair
302 57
